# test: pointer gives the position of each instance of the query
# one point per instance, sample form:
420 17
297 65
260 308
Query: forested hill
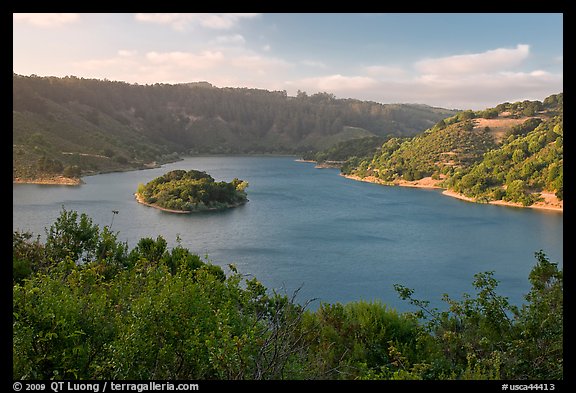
78 125
513 152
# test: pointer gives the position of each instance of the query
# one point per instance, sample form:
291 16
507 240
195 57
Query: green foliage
525 165
343 151
72 236
25 253
432 152
539 349
192 191
84 307
159 314
72 171
528 161
524 128
47 165
357 339
490 113
531 108
485 337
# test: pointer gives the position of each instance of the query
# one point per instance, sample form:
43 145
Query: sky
449 60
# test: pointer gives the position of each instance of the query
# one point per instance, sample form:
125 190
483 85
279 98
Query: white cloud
258 63
336 83
386 72
467 92
175 20
127 52
180 22
231 67
204 59
236 39
237 66
101 66
539 73
476 81
223 21
493 60
45 20
468 81
313 63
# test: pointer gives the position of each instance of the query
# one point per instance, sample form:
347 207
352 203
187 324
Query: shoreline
54 181
67 181
428 183
323 165
537 205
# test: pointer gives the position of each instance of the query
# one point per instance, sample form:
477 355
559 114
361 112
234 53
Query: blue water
336 239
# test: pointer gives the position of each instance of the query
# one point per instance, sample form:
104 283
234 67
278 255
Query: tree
518 155
72 236
487 337
466 115
72 171
26 255
516 191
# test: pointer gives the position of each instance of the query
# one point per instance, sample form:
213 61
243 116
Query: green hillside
512 152
90 125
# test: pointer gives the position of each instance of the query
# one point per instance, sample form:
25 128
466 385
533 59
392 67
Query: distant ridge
117 126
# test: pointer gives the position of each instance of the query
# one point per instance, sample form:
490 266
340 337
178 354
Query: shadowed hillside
88 125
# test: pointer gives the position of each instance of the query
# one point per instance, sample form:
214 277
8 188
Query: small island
181 191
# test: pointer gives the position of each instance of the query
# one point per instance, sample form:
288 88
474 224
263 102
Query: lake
336 239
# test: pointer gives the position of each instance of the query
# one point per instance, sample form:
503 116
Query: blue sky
463 61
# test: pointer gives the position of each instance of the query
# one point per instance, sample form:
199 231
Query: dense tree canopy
192 191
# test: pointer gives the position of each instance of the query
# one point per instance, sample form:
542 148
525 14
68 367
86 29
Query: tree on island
190 191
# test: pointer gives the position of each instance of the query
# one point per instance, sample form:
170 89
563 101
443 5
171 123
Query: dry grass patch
498 126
